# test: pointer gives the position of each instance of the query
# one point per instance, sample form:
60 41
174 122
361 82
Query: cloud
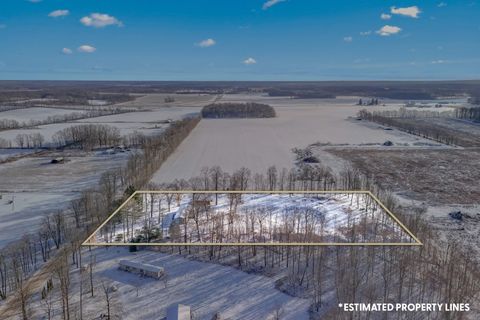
411 12
385 16
439 61
442 4
271 3
249 61
365 33
100 20
67 51
387 30
59 13
348 39
86 49
206 43
34 1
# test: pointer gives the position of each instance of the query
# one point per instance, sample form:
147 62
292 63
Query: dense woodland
141 220
238 110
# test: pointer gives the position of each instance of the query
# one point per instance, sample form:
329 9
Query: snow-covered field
9 153
259 143
36 113
32 187
252 218
47 131
155 100
146 122
154 116
207 288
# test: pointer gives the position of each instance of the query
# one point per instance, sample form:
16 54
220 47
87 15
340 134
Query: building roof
141 266
178 312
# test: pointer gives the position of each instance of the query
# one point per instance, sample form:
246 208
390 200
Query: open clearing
259 143
153 116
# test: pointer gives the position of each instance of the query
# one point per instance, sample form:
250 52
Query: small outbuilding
57 160
143 269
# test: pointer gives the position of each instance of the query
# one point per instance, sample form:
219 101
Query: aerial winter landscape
249 218
56 196
258 159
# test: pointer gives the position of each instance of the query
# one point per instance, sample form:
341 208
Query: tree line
9 124
410 125
238 110
468 113
61 233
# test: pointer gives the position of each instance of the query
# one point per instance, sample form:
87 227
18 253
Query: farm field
452 179
32 187
35 113
9 153
49 130
148 116
156 100
259 143
148 122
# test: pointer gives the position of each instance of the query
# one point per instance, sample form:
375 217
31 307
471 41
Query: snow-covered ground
151 116
33 187
254 218
240 295
35 113
148 122
259 143
155 100
9 153
207 288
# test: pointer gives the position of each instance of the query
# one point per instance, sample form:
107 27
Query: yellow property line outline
345 244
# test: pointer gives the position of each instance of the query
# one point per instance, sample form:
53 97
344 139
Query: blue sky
239 39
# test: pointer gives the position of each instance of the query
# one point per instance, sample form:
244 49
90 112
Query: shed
144 269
